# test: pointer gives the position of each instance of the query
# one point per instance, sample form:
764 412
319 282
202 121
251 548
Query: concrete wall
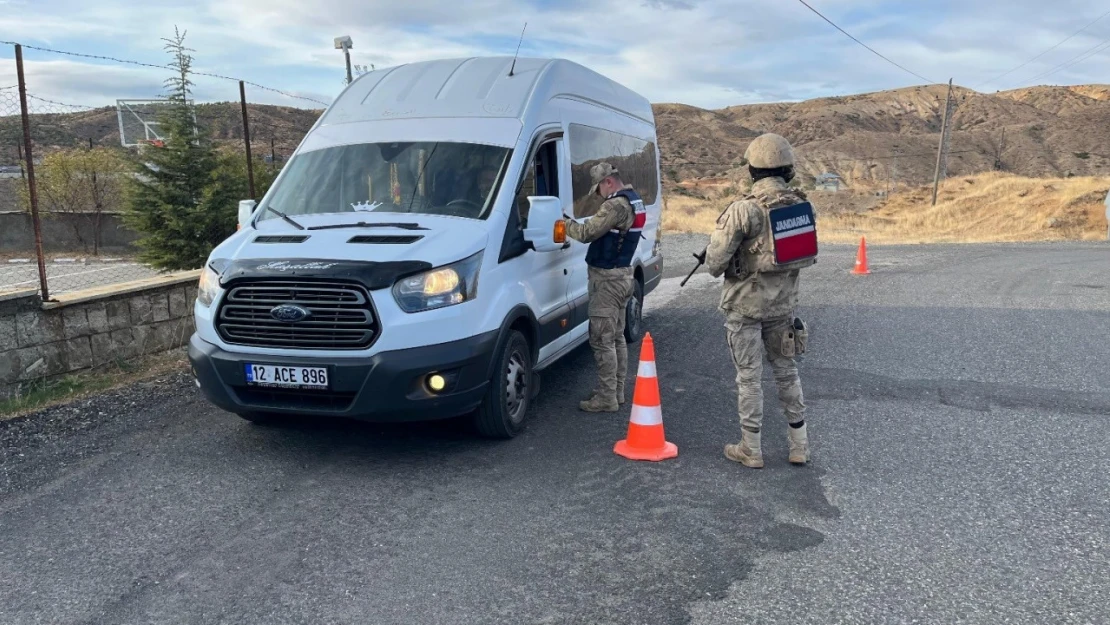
59 234
86 329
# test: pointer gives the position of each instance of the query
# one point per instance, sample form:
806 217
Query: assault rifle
701 261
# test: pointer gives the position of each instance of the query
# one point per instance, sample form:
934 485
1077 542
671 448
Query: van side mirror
543 214
246 209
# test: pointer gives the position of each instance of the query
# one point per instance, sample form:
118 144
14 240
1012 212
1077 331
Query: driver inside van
486 179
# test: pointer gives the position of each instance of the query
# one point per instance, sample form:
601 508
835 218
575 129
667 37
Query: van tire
505 408
634 313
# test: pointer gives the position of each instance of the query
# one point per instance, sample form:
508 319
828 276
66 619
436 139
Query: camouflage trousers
747 339
610 291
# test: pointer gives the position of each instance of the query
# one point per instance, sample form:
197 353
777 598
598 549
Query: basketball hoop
139 121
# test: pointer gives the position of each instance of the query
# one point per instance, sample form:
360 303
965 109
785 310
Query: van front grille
340 315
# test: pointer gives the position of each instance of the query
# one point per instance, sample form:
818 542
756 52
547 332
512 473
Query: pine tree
170 202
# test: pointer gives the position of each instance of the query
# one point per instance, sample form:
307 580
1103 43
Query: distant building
828 182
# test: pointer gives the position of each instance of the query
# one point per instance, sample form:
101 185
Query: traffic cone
861 259
645 439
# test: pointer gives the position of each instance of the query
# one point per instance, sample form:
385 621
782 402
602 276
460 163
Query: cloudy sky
709 53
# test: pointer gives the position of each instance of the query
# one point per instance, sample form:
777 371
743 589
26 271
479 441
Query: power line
872 50
1073 61
1069 38
155 66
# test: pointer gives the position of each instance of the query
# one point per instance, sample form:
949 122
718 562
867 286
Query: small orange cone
861 259
646 440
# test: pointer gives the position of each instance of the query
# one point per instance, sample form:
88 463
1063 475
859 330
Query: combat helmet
769 151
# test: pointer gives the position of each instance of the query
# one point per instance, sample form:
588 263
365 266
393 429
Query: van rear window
454 179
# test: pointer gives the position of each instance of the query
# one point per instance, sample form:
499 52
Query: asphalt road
64 277
958 409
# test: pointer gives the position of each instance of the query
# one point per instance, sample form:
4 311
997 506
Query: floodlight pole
344 43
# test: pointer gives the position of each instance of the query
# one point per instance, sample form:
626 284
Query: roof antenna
518 48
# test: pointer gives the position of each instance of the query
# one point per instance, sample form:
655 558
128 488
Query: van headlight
209 286
444 286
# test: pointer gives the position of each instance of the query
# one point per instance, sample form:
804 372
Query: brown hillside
990 207
284 125
877 139
874 140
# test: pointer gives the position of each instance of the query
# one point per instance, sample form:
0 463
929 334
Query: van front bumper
385 387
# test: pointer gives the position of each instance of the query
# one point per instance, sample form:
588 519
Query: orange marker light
560 231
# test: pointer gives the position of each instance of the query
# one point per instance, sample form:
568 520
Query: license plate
282 376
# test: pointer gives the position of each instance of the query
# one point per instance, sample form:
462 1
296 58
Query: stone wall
87 329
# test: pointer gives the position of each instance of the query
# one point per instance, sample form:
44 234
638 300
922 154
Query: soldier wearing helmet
759 297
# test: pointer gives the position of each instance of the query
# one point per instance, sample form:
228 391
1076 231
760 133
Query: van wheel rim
516 387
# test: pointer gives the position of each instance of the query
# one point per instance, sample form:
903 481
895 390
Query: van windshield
454 179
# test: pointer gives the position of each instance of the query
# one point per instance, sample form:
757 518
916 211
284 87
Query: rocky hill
877 139
872 140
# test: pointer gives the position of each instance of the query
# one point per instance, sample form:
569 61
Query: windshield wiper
363 224
287 218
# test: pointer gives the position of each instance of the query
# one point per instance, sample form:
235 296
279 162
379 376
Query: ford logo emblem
289 313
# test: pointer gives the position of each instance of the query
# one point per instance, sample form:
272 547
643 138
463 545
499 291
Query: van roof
476 87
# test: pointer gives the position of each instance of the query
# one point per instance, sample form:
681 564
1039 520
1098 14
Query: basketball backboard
139 121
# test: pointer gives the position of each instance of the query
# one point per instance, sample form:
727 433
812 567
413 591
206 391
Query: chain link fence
74 165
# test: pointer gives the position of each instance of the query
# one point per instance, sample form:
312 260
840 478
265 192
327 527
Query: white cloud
708 53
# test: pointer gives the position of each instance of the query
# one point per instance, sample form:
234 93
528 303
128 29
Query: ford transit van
405 264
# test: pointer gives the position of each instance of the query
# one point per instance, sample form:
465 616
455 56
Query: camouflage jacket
609 288
616 212
758 295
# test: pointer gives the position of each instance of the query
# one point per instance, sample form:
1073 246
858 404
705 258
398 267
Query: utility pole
894 172
942 149
273 159
1001 149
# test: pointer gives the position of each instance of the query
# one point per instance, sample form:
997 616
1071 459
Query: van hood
434 239
376 252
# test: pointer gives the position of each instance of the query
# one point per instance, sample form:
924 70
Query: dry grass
989 207
42 394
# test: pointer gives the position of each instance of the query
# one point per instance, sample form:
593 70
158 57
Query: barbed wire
76 106
156 66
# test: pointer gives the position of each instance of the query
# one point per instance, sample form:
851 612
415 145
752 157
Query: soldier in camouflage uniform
612 234
758 300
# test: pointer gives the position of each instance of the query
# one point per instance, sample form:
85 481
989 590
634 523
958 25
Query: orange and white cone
861 268
646 440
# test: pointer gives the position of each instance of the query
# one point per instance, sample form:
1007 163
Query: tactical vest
614 249
757 255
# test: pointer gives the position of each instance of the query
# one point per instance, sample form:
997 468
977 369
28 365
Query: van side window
636 159
541 178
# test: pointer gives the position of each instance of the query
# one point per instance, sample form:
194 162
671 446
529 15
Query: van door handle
564 272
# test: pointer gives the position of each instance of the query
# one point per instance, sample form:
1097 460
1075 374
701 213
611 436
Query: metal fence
65 169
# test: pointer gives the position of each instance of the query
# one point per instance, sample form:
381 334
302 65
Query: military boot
747 452
799 445
599 403
620 394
